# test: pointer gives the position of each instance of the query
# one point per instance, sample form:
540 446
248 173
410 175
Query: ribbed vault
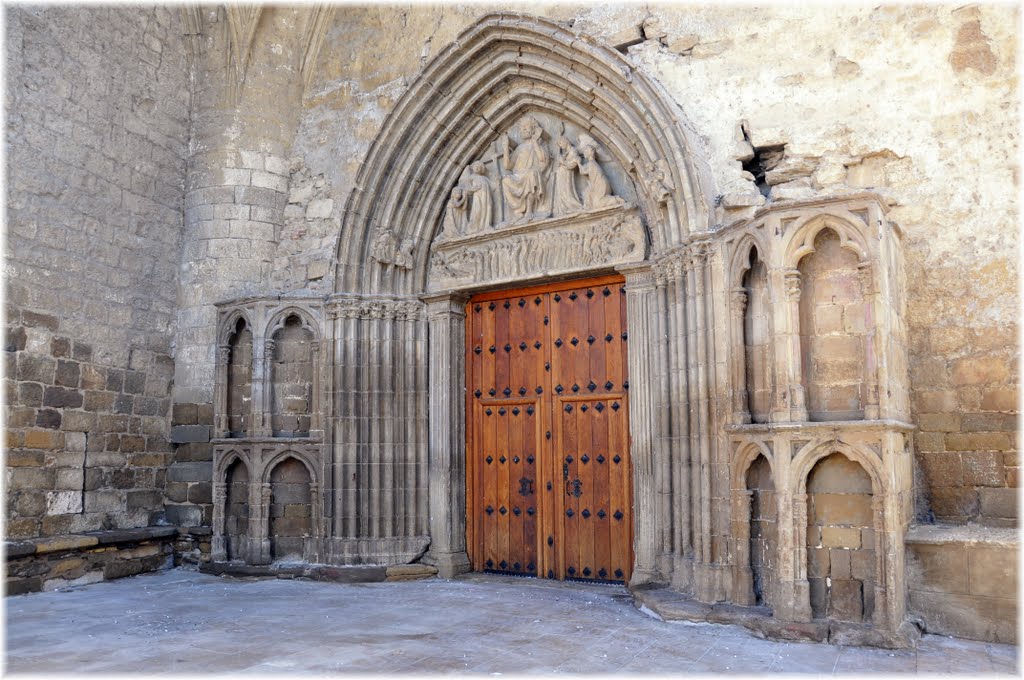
478 87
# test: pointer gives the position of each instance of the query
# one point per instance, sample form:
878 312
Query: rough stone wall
98 107
916 103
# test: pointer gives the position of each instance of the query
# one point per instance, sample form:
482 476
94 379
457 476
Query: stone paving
189 623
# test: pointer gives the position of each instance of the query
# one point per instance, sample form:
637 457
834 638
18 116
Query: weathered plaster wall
98 106
916 103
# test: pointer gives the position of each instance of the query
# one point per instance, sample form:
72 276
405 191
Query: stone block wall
964 582
80 559
98 108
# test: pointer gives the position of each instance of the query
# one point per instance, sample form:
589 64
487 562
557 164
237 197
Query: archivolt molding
505 66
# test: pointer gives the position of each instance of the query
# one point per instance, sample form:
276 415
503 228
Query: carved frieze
369 308
555 246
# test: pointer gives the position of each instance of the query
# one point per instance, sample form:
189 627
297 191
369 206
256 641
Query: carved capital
791 279
223 354
867 283
672 266
439 306
639 278
739 302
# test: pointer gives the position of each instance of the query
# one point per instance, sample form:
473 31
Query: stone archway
499 72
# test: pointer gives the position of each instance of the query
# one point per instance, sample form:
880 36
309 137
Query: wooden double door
548 470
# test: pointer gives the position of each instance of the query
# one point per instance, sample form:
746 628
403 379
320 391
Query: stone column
800 596
872 358
790 403
743 574
218 549
741 402
261 537
316 402
640 308
446 462
262 389
221 392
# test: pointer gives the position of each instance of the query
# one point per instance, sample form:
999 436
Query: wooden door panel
547 432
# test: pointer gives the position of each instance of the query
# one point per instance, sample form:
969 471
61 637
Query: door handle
574 488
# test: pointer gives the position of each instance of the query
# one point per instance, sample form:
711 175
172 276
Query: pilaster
446 460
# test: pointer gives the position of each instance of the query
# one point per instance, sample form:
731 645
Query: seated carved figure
523 185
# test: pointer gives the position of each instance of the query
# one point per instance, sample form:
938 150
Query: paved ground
184 622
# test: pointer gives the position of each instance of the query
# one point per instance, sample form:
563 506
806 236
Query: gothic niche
840 540
291 387
763 530
291 517
239 381
544 198
236 511
756 335
832 330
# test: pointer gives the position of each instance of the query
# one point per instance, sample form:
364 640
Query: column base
643 577
448 565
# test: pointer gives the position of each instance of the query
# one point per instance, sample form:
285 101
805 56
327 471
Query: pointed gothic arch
497 70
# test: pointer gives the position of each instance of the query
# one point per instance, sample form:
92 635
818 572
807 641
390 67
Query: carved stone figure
523 185
404 255
470 208
598 193
454 224
659 180
477 190
567 199
383 247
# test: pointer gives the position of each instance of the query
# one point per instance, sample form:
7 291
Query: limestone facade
810 370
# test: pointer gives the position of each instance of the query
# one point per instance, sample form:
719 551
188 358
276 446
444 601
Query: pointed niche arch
476 90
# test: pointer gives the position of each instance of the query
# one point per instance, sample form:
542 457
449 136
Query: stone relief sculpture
659 180
386 249
523 185
598 193
532 180
470 208
567 199
557 246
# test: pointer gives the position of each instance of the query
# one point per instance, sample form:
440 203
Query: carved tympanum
534 172
537 205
